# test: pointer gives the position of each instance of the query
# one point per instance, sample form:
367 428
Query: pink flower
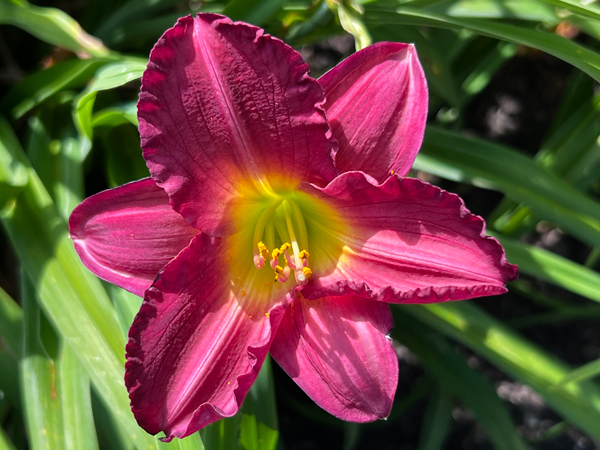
276 219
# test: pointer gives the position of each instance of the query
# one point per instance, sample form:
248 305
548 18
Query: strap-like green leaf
515 355
452 372
575 54
489 165
51 25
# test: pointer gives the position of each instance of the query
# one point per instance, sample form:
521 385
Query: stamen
292 233
270 234
263 253
300 264
285 218
283 277
258 257
304 255
300 225
289 260
275 259
303 275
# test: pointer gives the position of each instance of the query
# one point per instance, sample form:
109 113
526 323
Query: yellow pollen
263 250
307 272
267 314
243 293
282 220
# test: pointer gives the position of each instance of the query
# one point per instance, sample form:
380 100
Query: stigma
281 228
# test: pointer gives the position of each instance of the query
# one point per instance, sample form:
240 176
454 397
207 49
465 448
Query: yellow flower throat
282 222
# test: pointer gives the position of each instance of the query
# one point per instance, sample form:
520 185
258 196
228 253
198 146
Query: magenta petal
377 108
405 241
196 346
338 352
126 235
223 106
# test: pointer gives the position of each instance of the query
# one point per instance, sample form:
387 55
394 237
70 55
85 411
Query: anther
289 260
306 272
282 273
304 255
261 255
275 258
303 275
262 248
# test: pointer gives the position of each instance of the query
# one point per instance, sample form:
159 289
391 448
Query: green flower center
280 237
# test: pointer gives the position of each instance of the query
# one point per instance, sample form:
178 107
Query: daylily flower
276 218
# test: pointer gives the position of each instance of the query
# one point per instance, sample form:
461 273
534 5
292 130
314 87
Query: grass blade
41 397
256 12
585 372
75 396
493 166
223 435
581 57
13 174
531 10
577 403
11 347
436 422
9 377
36 88
586 9
73 299
11 324
553 268
51 25
259 428
441 362
109 77
5 443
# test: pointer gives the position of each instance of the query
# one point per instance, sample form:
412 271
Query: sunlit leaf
43 84
442 363
585 372
517 357
5 443
109 77
259 427
13 174
553 268
75 396
50 25
41 394
72 298
493 166
571 52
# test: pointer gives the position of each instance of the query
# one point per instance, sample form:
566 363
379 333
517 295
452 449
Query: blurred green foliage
69 129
